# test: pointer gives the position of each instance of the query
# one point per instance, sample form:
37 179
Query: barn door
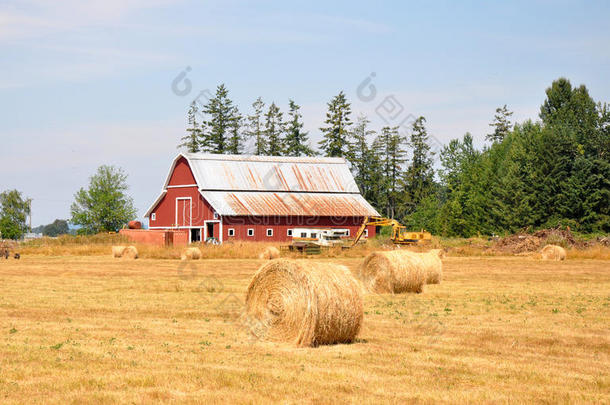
183 212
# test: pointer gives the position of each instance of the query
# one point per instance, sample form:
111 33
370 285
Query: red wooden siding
280 226
165 211
182 174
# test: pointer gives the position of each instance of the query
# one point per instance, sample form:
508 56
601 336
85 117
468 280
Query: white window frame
269 232
231 232
250 232
366 233
288 232
153 216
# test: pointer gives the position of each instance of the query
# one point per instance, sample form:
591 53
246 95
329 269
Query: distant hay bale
269 253
117 251
130 252
394 271
304 303
433 265
192 253
553 252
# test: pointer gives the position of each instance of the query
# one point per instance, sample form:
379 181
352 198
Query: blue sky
90 83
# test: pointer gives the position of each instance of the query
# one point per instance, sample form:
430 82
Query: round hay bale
304 303
192 253
117 251
270 252
130 253
134 225
394 272
553 252
433 265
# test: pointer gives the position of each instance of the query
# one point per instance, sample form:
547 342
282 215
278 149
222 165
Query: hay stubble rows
100 330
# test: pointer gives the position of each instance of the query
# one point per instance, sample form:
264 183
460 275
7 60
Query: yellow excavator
400 235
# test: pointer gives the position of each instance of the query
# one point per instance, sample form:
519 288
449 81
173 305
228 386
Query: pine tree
393 157
192 140
235 136
419 179
255 127
274 128
219 111
363 159
335 141
296 140
501 124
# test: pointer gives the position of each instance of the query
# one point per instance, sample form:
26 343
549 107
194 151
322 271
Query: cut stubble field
97 330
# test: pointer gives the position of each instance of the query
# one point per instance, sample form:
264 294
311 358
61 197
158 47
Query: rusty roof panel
289 204
271 173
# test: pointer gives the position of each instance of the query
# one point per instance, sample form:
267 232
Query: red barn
257 198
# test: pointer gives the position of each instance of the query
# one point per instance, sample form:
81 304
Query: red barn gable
259 198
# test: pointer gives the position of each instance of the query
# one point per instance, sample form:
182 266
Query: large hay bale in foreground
192 253
304 303
117 251
553 252
130 252
433 265
270 252
394 271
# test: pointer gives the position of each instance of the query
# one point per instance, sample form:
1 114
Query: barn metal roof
271 173
275 185
288 204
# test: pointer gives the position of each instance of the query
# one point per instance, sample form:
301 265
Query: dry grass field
90 329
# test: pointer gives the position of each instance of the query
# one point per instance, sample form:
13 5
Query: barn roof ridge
264 158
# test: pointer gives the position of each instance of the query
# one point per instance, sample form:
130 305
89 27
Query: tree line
549 172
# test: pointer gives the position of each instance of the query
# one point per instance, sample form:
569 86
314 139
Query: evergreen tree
255 127
235 137
574 108
501 124
192 140
274 128
297 141
393 157
335 141
219 111
419 179
364 161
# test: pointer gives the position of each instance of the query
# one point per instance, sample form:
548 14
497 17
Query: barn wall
166 209
280 226
156 237
182 174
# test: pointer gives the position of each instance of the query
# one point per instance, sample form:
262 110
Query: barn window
215 215
231 231
250 231
314 235
347 232
366 233
289 232
269 232
303 234
153 216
